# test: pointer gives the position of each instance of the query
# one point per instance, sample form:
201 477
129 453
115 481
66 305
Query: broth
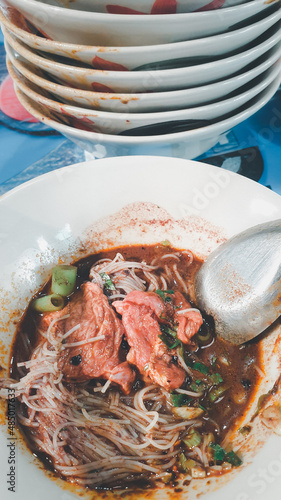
223 374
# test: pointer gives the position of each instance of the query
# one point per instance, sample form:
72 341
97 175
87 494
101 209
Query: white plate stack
135 76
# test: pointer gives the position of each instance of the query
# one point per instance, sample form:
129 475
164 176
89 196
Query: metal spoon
239 284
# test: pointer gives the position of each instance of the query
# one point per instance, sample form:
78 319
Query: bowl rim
69 92
148 19
133 76
56 106
135 49
217 128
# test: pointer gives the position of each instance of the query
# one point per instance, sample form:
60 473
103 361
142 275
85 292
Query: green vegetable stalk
64 280
48 303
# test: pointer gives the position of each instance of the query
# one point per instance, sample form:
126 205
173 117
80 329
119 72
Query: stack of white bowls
143 76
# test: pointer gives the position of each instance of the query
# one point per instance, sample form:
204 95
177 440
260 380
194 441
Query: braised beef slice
89 308
147 351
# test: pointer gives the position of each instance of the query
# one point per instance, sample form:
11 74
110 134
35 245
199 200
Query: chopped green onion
196 365
200 368
216 392
261 402
48 303
168 331
245 430
193 439
107 281
170 343
161 294
168 299
202 407
214 359
182 462
233 459
169 336
166 243
185 464
204 337
179 399
164 317
216 378
220 455
197 386
64 280
167 478
219 452
164 294
175 344
190 463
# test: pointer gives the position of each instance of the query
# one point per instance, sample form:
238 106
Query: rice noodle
179 278
83 342
189 393
93 434
189 309
183 363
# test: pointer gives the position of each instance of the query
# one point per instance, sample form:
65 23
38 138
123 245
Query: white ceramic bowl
186 144
92 28
47 219
122 58
115 123
148 102
145 6
144 81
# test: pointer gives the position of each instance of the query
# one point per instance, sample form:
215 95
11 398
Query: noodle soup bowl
142 102
91 28
150 80
131 57
133 7
115 123
183 139
36 236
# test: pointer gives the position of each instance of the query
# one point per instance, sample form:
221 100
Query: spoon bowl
239 284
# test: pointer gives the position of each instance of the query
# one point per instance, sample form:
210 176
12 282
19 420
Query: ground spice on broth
237 365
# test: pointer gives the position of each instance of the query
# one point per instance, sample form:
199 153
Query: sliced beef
142 312
90 310
188 319
124 376
47 318
147 351
149 299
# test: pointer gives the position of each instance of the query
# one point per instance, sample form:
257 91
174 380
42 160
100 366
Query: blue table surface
24 156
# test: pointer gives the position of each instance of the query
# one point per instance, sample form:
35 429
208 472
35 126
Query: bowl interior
36 239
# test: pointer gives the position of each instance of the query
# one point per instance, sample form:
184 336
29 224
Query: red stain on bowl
10 105
82 124
100 63
44 34
118 9
100 87
15 17
164 7
215 4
